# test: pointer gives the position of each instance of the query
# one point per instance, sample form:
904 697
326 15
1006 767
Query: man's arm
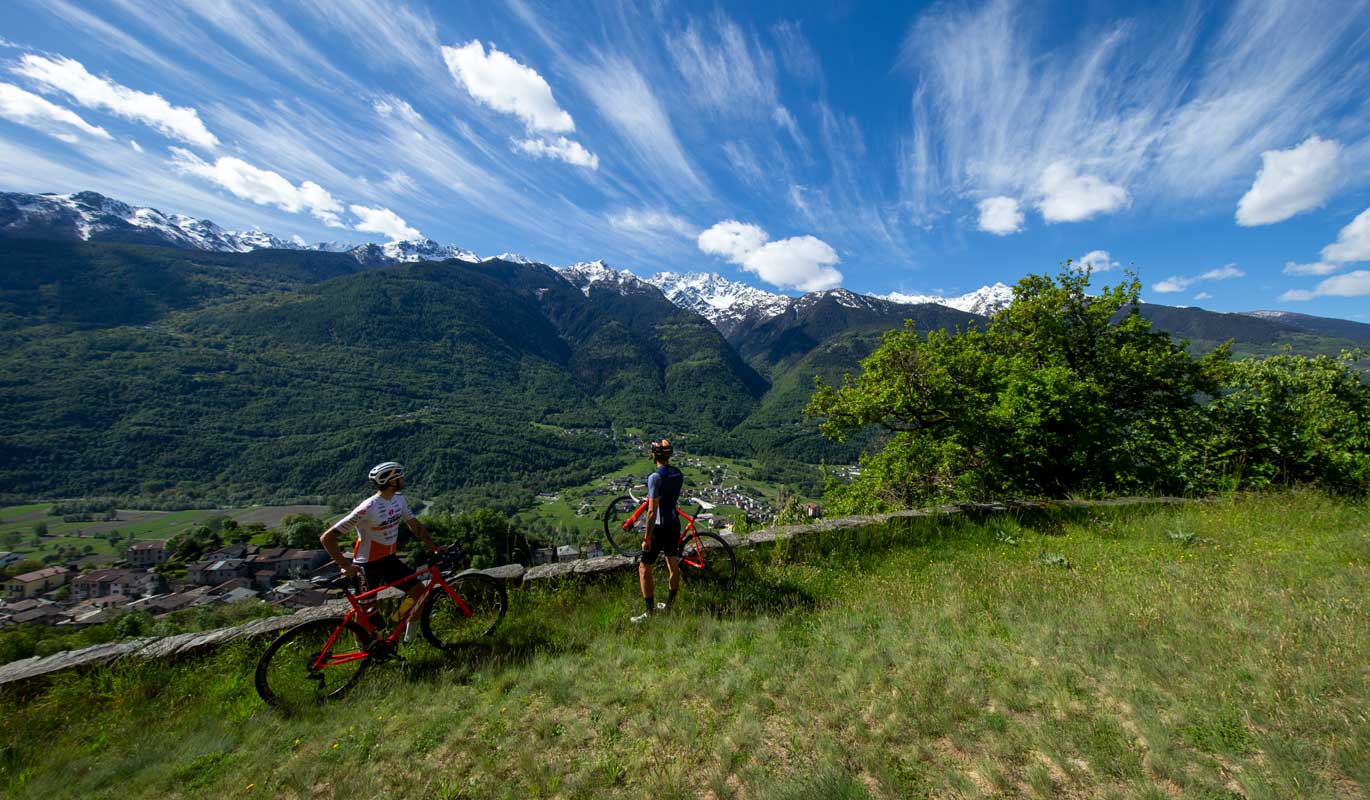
651 522
329 540
420 531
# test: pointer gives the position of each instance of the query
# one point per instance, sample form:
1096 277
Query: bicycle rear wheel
625 541
706 558
447 625
286 677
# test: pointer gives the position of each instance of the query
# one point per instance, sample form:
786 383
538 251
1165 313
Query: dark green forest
169 377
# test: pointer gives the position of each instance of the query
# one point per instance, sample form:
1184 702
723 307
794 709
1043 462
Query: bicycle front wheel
625 537
448 625
706 558
287 674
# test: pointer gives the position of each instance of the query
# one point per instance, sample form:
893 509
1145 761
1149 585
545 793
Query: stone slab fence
514 574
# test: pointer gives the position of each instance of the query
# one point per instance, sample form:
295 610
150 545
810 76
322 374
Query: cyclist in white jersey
377 521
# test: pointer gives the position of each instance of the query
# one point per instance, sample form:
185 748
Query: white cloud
385 222
1176 283
1097 260
27 108
1353 241
800 262
298 240
733 240
70 76
262 186
1291 182
137 148
1315 268
1352 284
1203 296
1222 273
651 221
1000 216
505 85
560 148
1067 196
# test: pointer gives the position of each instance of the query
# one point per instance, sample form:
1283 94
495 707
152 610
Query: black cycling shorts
378 573
665 541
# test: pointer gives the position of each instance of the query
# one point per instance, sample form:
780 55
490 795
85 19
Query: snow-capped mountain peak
987 300
512 258
716 298
587 274
426 250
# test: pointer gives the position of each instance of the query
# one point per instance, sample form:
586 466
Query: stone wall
513 574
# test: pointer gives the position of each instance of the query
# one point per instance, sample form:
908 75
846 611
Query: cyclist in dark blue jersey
663 528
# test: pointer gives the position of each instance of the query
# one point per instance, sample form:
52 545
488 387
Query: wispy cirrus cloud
1146 106
728 73
35 111
654 221
1291 182
72 78
800 262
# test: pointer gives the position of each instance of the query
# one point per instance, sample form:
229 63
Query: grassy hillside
1205 651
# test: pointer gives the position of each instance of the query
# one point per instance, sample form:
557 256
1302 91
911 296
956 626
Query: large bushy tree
1064 392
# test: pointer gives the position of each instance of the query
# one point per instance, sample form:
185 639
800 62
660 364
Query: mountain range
155 354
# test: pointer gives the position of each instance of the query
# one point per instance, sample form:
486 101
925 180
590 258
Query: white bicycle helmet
385 472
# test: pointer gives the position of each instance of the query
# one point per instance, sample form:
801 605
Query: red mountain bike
704 556
320 659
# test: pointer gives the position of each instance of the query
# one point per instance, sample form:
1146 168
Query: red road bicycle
320 659
704 556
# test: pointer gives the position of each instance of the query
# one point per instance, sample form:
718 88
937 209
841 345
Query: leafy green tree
486 536
40 529
302 531
1065 392
1293 419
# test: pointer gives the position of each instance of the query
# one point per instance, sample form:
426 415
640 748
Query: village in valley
113 571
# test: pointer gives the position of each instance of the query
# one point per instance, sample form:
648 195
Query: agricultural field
1200 651
19 526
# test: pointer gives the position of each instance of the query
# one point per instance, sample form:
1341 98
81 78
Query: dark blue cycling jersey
664 486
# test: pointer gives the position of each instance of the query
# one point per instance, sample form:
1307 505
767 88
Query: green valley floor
1208 650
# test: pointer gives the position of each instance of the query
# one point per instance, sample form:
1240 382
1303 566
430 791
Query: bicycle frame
327 658
688 529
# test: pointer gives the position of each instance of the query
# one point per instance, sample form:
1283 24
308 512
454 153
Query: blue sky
1221 149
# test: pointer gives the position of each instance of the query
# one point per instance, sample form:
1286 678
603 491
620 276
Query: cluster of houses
63 595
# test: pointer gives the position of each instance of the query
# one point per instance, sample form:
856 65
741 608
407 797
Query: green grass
931 659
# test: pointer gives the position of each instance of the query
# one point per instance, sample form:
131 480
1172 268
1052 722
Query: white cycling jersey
377 523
